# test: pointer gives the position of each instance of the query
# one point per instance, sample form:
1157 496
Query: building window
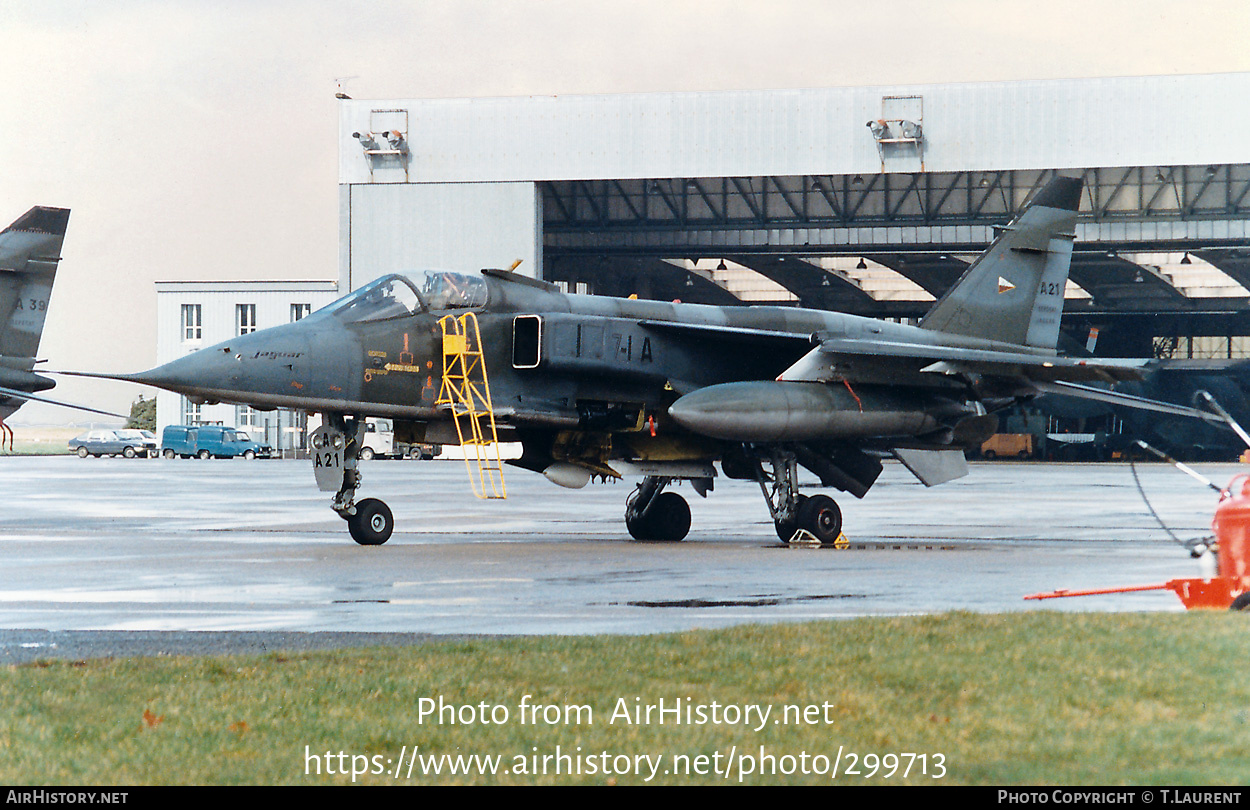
300 311
192 327
190 412
246 417
245 318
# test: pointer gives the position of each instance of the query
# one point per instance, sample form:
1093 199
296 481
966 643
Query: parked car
265 451
207 441
128 443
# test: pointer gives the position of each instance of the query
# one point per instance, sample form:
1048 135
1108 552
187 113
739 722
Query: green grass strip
1028 698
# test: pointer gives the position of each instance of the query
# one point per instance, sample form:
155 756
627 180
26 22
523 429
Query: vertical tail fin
1013 292
30 249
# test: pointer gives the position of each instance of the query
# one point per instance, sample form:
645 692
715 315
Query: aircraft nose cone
247 363
196 371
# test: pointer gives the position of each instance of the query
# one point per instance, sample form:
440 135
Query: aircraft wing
819 364
1047 374
12 393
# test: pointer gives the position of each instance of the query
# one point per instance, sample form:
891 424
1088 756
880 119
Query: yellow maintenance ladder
466 391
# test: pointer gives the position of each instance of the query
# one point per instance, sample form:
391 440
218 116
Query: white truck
379 441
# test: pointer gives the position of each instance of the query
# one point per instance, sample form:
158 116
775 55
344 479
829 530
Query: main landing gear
336 453
652 514
818 515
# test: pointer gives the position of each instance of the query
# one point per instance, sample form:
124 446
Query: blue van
207 441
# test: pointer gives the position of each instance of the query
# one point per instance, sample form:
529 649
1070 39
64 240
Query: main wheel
366 454
670 517
249 454
169 453
639 528
372 524
128 452
82 452
205 454
1241 602
667 520
787 528
821 516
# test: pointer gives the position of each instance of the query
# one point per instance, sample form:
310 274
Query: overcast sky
196 139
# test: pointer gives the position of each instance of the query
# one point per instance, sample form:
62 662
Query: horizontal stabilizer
1126 400
933 467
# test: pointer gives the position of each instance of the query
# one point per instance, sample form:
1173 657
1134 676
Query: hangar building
868 200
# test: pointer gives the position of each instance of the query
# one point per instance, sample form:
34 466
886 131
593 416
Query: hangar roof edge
1185 119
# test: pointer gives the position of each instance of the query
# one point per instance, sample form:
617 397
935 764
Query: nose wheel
372 524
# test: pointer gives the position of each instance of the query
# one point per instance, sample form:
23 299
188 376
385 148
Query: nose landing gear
336 452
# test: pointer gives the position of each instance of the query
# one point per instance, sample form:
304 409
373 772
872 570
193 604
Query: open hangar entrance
1160 269
1161 264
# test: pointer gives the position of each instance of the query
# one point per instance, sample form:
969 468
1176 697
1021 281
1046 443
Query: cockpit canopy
444 290
399 295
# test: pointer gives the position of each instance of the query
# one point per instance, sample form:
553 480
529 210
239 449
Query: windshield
441 289
388 297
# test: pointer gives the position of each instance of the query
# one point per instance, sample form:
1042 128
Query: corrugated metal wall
1157 120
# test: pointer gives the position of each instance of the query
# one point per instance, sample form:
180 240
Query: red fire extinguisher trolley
1230 587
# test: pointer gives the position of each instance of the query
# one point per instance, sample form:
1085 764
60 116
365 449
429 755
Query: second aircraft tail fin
30 250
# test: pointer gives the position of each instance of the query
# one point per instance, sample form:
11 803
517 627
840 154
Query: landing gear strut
336 453
818 515
652 514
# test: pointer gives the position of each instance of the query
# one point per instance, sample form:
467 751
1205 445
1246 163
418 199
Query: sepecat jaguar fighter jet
596 387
